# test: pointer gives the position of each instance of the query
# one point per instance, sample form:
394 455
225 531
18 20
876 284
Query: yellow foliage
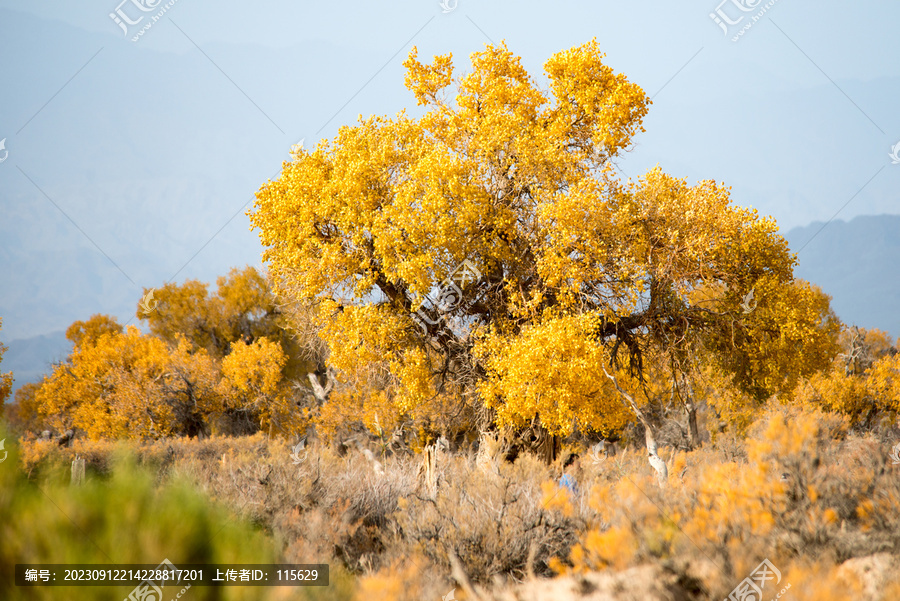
106 389
736 509
252 381
577 268
556 498
242 308
24 414
129 385
861 395
395 582
552 369
89 332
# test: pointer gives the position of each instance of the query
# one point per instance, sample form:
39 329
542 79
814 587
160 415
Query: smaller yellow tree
109 389
863 382
24 415
6 379
242 308
125 384
89 332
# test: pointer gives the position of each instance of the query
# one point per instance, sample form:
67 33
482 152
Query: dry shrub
496 523
410 579
343 507
805 489
38 455
800 486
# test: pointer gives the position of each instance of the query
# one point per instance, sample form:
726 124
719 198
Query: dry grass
800 490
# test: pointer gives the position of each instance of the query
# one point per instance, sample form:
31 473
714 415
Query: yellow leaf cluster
252 382
552 369
125 384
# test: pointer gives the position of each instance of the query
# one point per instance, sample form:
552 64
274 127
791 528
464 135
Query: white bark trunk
656 462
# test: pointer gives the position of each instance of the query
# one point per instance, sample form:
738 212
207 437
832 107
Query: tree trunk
547 445
693 431
656 462
321 392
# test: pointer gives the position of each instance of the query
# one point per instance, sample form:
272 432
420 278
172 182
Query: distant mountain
858 264
30 358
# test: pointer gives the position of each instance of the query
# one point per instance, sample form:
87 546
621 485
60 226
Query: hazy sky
130 163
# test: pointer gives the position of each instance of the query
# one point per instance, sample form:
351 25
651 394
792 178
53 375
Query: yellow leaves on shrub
615 547
630 526
784 436
879 511
731 507
556 498
399 581
818 581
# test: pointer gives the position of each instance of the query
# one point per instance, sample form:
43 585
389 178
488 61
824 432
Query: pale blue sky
130 162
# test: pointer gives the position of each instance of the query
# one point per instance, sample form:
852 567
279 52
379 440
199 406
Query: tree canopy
573 279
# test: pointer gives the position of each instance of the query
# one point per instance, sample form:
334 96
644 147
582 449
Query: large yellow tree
490 245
